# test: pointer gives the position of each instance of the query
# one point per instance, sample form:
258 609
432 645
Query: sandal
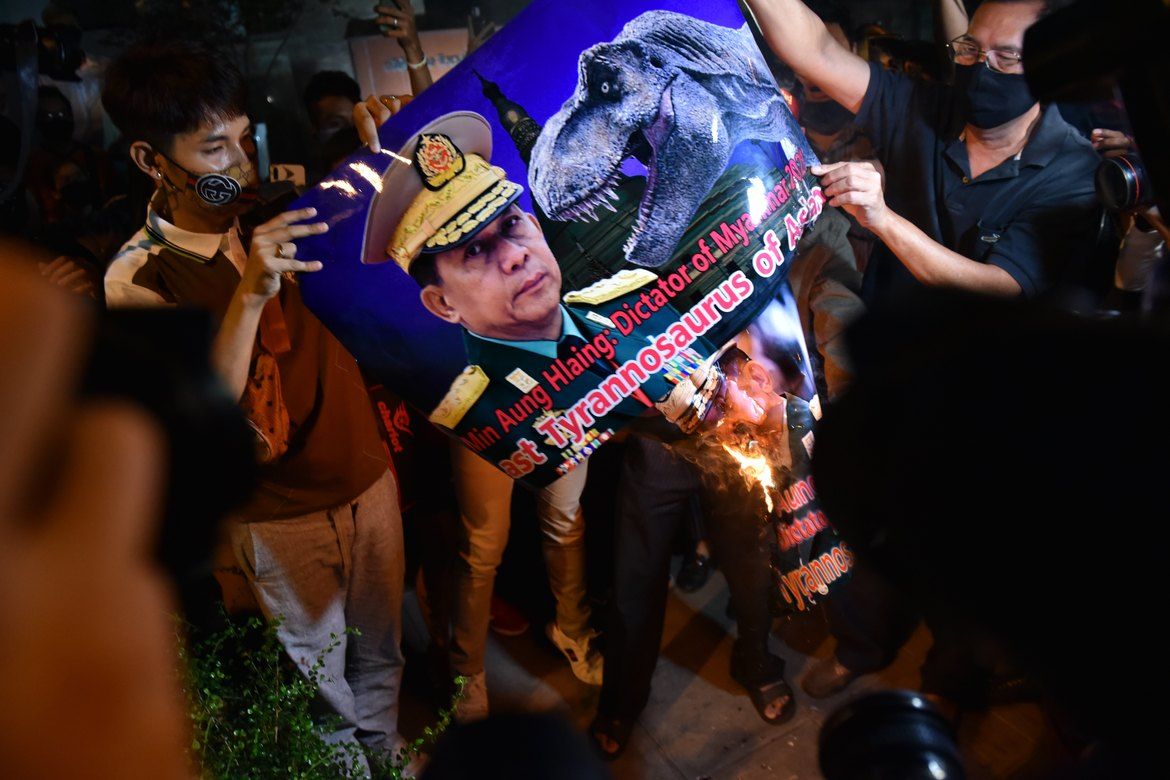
764 690
615 730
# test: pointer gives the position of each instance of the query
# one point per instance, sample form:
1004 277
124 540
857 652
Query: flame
755 469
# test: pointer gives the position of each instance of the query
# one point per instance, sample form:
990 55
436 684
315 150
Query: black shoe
693 574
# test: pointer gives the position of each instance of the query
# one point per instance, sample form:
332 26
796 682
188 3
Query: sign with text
564 227
381 67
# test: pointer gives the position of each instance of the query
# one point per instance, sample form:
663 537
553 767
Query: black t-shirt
1034 216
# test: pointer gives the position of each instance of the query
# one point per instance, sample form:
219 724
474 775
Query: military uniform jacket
522 386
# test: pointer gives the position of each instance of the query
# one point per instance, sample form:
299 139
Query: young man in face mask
320 541
984 189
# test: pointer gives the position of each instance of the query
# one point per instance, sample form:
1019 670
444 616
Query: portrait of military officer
451 220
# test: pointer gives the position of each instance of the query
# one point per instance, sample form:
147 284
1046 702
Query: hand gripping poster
567 225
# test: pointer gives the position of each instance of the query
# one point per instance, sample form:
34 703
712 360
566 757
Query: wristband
416 65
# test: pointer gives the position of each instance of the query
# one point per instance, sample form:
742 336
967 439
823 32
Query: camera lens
1122 184
892 735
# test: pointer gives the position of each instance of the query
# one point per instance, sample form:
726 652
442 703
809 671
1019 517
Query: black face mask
825 117
991 99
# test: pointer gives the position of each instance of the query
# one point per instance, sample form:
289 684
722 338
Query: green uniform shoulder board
464 392
617 285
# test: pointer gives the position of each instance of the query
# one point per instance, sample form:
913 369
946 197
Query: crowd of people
940 172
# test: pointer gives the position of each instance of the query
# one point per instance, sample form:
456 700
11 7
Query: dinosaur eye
609 89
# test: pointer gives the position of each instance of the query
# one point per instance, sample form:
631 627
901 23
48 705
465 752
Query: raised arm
799 38
950 19
271 256
396 18
857 188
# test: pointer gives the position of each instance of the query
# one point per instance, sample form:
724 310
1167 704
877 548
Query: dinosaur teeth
610 206
628 247
610 193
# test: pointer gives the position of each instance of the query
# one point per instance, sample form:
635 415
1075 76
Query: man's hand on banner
856 187
273 253
372 113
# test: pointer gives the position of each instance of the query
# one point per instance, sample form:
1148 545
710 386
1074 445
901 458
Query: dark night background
281 43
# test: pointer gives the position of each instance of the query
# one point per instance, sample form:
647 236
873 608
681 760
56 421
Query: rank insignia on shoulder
607 289
814 407
464 392
521 381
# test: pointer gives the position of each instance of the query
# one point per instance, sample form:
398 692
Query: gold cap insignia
437 160
463 194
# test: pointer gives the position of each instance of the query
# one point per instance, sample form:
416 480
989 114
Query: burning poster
752 439
567 225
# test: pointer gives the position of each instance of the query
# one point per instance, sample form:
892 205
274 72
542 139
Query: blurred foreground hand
87 658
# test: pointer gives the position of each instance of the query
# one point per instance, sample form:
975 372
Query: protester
321 539
1103 122
329 98
656 498
69 179
983 189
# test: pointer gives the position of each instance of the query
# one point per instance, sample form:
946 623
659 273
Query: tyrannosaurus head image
679 94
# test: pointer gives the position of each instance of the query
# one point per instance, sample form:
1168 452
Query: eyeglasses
965 51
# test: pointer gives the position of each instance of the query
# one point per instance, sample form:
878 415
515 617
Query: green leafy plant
251 717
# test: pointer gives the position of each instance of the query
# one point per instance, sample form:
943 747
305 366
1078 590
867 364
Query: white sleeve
121 291
127 295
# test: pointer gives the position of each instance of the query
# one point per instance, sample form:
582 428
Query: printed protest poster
566 225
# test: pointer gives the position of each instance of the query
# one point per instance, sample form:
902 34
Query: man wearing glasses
984 188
